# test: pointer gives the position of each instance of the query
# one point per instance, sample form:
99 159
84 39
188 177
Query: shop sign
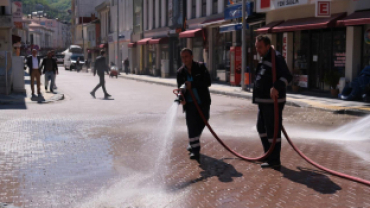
17 11
285 46
234 12
268 5
323 8
232 27
303 81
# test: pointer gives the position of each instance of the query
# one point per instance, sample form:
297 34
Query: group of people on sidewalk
197 79
38 66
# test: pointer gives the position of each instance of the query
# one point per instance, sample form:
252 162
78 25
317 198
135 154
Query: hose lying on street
335 173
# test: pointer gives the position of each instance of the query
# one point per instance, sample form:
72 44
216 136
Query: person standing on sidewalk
196 78
50 70
100 67
33 63
264 93
126 63
55 75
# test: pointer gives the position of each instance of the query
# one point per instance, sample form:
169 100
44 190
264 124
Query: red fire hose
276 112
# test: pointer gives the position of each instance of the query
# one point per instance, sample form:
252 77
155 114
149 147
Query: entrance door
313 72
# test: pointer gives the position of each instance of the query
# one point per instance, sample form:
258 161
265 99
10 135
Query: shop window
214 6
301 52
204 8
193 9
339 52
366 47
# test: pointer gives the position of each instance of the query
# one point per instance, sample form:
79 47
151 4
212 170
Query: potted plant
332 78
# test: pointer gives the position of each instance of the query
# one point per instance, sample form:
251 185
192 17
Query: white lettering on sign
285 46
287 3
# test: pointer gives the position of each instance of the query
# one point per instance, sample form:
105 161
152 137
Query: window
2 10
166 13
160 14
204 8
147 15
193 9
214 6
153 26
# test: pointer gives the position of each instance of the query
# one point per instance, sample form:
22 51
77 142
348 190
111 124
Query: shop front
196 41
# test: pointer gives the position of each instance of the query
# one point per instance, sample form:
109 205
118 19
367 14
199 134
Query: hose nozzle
180 94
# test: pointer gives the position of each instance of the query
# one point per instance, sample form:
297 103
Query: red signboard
265 4
323 9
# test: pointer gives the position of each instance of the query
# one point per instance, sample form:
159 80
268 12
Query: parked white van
71 55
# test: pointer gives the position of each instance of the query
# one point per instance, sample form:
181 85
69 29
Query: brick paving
82 152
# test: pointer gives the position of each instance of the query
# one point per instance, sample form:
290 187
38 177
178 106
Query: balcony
6 21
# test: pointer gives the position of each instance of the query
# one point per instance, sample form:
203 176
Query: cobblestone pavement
82 152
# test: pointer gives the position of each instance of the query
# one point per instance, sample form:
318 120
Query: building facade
315 47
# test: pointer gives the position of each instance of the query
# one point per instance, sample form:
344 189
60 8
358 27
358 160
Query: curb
351 111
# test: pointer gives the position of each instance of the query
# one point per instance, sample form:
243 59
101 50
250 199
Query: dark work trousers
265 128
195 124
101 84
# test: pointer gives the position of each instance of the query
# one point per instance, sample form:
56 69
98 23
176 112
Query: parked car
60 58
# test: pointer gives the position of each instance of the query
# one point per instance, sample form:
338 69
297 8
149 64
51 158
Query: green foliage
53 8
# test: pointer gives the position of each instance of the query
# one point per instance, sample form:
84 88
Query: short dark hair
266 40
187 50
102 52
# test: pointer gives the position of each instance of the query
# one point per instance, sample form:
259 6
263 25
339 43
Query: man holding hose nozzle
264 93
196 77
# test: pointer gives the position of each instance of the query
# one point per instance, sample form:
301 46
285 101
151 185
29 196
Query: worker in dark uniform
197 78
264 93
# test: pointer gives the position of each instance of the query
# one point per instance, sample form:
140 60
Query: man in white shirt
33 63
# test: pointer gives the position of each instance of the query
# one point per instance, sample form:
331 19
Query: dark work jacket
201 81
29 63
55 65
100 66
264 81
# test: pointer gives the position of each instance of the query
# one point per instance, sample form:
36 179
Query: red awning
309 23
191 33
131 45
267 28
105 45
159 41
143 41
357 18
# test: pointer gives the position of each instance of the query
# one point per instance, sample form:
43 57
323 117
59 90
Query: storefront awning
231 27
131 45
267 28
309 23
357 18
213 21
159 41
143 41
191 33
105 45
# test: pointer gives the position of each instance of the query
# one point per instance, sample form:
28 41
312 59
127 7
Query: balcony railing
6 21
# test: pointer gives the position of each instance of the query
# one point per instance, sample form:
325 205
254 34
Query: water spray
180 96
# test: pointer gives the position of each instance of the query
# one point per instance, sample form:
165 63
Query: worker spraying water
265 90
194 76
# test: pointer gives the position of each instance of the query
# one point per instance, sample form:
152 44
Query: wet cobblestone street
82 152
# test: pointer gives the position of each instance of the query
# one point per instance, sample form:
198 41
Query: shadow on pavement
212 167
312 179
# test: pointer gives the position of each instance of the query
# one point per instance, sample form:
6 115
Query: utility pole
117 64
244 44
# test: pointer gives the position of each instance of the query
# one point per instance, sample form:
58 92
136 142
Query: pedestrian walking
196 78
50 69
264 93
33 63
126 63
99 68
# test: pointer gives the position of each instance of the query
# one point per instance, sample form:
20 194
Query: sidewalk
23 98
297 100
